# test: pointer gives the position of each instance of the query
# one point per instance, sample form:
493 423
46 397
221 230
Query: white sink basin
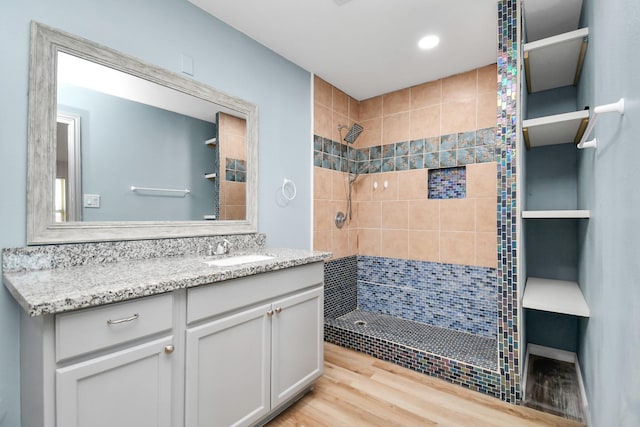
236 260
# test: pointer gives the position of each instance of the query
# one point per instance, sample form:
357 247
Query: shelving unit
210 175
557 214
556 129
553 58
555 61
211 142
556 296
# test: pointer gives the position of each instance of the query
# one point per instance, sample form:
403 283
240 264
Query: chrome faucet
223 247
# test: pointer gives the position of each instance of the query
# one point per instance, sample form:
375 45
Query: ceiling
369 47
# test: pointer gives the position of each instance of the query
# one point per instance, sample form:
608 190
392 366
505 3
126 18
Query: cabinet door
297 354
128 388
227 370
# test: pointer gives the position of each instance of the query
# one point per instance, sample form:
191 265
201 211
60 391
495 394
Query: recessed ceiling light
428 42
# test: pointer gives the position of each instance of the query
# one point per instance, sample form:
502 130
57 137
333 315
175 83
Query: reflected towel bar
165 190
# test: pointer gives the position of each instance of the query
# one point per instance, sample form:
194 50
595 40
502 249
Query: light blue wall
157 32
609 180
129 143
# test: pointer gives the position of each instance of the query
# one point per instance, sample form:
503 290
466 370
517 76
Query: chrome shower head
353 133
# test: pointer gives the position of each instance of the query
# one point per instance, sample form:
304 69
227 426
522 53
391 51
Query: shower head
353 133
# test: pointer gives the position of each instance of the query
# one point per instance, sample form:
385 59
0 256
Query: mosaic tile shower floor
461 346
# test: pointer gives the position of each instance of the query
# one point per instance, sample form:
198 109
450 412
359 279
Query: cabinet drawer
93 329
217 298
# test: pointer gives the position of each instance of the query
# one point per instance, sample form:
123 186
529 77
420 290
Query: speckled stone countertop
65 289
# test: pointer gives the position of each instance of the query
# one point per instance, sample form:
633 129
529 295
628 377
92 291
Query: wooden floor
358 390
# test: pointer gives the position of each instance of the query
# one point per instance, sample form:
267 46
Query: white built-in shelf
209 217
210 175
211 142
546 18
556 129
557 296
557 214
555 61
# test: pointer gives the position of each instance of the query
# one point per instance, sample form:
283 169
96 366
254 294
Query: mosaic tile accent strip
459 373
428 153
450 296
46 257
460 346
506 156
340 286
448 183
236 170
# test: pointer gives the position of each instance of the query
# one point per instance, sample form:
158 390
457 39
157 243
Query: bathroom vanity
169 341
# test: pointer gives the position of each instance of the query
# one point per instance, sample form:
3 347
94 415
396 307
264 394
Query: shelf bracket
616 107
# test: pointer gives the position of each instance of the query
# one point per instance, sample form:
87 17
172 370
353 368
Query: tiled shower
424 273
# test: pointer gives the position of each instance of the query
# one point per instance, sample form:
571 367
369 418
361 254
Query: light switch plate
91 200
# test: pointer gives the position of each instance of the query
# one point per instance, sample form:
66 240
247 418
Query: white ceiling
369 47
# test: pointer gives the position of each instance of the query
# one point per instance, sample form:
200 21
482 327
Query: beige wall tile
486 214
457 215
457 248
369 214
235 212
353 241
322 215
322 119
487 110
395 214
425 122
322 92
424 215
394 244
322 183
223 213
482 180
235 146
412 184
371 108
459 87
458 116
339 185
488 79
486 249
426 94
396 102
363 187
354 110
321 241
340 242
340 102
369 242
396 128
424 245
236 193
371 134
389 193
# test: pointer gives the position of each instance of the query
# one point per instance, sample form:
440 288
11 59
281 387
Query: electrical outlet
91 200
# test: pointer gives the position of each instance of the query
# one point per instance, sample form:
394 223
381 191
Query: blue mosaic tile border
465 375
458 297
448 183
507 159
236 170
340 286
444 151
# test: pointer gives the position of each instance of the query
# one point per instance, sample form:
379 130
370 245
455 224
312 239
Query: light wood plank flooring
359 390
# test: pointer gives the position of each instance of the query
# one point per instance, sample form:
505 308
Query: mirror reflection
128 149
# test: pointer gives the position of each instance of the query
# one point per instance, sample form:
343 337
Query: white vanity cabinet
244 363
234 352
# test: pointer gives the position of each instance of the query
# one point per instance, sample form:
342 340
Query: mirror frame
46 42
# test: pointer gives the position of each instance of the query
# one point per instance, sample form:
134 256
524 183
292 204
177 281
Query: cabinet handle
169 349
278 309
270 313
126 319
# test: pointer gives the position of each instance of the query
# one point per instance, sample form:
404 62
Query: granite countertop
65 289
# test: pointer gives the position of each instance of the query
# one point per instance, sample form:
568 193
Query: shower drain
360 323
